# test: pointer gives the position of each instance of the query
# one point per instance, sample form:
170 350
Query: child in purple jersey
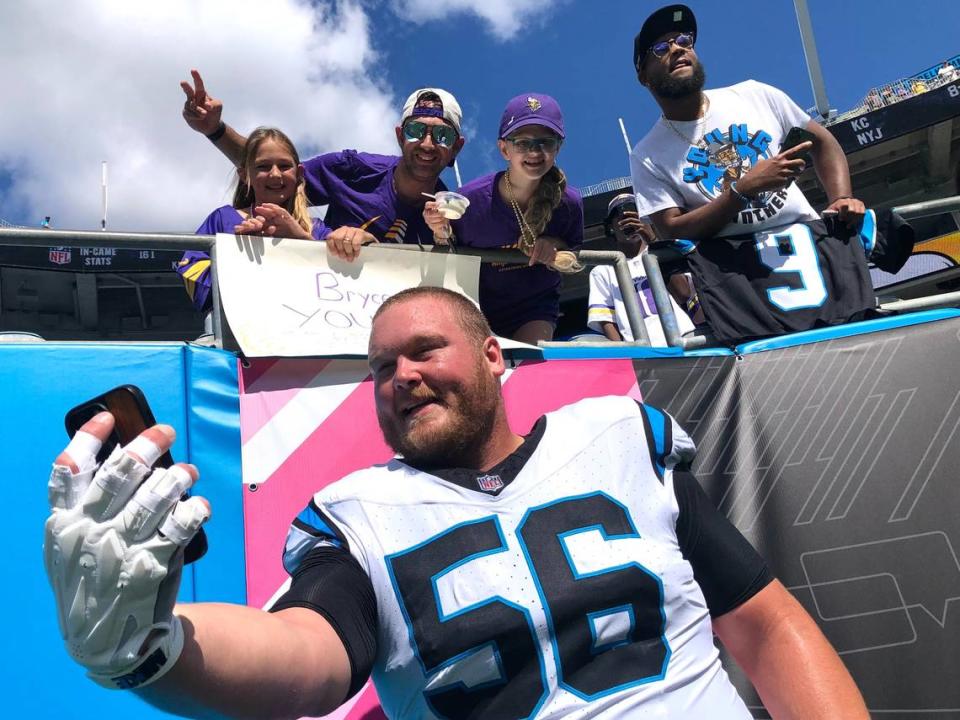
269 200
529 207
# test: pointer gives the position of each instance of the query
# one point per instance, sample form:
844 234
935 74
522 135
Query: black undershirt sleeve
725 565
331 582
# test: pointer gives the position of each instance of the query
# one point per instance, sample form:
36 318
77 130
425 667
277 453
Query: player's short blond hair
471 319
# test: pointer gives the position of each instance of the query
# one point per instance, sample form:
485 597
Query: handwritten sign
290 298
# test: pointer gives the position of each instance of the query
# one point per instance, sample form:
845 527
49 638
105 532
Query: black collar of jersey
494 480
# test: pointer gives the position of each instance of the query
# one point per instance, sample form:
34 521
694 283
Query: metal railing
32 237
631 301
911 212
167 241
635 316
907 212
928 208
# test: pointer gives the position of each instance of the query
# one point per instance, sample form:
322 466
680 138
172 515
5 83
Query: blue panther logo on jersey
725 156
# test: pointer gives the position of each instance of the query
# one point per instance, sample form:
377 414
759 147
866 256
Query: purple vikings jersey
511 295
359 190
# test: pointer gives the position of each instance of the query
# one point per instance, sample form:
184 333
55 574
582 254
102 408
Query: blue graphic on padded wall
725 155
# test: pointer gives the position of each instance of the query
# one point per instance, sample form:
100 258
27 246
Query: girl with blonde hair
269 199
530 207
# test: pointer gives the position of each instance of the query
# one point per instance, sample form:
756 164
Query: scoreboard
89 259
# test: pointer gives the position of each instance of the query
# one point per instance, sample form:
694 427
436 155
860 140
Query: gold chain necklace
702 114
527 237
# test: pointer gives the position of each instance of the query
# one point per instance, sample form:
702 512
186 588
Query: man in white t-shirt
947 73
714 168
711 165
606 312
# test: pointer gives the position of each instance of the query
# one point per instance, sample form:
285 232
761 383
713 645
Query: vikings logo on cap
531 109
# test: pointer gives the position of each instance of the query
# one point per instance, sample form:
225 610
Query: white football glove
113 551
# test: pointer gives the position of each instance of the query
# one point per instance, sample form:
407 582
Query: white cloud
94 80
505 18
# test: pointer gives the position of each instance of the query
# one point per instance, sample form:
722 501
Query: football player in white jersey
578 571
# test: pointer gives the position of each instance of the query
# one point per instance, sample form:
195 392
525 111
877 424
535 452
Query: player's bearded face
450 431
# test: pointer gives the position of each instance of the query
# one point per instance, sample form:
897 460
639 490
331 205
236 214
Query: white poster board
290 298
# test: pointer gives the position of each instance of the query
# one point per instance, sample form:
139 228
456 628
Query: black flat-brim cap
672 18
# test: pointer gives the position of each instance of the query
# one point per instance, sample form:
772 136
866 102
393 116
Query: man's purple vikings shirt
511 295
358 187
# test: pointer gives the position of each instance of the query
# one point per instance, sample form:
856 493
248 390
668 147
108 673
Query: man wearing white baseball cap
371 198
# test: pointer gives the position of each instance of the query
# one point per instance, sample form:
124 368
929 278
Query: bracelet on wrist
745 200
218 133
842 197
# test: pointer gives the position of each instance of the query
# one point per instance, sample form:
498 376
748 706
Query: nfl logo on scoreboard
490 483
60 255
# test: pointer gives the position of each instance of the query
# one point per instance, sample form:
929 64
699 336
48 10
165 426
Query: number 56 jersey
553 588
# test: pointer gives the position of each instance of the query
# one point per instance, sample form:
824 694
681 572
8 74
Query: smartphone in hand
794 137
132 415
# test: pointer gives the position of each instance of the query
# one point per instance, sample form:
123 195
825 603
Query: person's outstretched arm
793 667
203 113
246 663
113 551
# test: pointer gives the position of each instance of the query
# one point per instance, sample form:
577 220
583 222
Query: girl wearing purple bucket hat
528 206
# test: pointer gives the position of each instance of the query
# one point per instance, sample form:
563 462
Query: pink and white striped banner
305 423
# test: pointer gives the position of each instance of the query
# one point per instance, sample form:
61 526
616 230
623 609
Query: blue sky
581 53
334 75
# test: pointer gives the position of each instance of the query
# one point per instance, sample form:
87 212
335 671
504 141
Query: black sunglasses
443 135
683 40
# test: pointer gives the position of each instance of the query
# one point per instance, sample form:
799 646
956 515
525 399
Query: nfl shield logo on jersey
490 483
60 255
